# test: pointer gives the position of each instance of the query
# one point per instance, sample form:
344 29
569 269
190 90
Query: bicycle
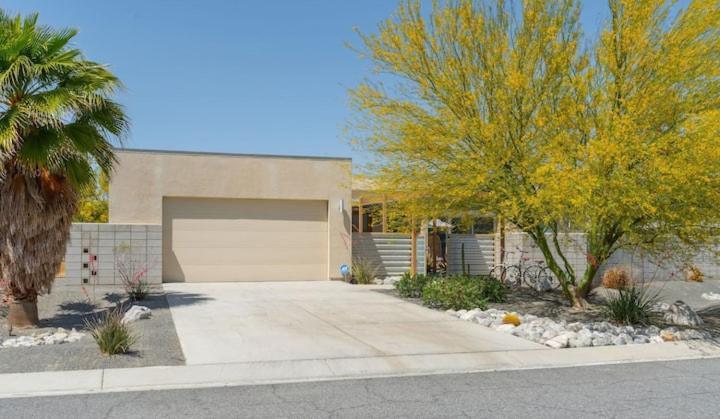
536 276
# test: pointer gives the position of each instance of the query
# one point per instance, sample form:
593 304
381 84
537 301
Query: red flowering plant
133 273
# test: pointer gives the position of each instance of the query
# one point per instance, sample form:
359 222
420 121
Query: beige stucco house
234 217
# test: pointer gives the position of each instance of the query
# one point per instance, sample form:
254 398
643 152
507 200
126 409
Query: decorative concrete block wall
642 266
91 253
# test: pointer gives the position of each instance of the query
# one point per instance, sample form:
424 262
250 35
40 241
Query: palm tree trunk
36 213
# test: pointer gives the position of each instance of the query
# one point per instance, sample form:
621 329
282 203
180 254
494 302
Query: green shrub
411 286
463 292
633 305
363 271
110 333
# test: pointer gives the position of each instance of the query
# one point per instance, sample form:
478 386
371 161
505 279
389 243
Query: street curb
55 383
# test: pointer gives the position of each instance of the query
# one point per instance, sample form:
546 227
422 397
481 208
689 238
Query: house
237 217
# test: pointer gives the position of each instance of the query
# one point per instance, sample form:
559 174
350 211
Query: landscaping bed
66 309
547 318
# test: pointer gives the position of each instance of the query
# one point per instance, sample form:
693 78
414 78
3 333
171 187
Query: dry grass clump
694 274
617 278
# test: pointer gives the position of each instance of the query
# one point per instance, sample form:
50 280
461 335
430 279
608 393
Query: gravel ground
67 307
554 305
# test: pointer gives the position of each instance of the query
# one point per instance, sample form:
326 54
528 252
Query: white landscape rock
47 338
560 334
711 296
682 314
136 313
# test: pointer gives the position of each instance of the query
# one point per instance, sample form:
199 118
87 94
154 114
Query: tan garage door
206 240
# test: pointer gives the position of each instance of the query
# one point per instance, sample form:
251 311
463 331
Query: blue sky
238 76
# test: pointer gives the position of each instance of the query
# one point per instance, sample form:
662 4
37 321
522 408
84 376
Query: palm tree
57 122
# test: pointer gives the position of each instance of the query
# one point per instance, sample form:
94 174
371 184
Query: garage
223 217
221 240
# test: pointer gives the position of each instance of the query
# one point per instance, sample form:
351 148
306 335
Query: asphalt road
658 390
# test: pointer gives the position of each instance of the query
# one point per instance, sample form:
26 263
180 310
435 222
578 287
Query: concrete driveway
281 321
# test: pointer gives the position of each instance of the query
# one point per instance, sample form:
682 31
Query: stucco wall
143 178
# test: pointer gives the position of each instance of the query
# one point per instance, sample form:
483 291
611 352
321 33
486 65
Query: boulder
469 315
682 314
582 339
560 341
136 313
622 339
641 339
711 296
506 328
602 339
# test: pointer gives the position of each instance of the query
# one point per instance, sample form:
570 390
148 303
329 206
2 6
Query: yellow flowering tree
509 108
93 202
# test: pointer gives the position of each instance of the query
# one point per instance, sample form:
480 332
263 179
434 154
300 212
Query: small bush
363 271
137 290
633 305
132 272
463 292
616 278
110 333
412 286
511 318
695 274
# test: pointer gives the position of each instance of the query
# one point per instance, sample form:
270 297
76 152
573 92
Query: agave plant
57 122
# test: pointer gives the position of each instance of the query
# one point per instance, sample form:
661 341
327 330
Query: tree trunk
36 213
23 314
579 298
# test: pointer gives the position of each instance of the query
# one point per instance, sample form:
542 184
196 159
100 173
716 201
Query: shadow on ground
70 307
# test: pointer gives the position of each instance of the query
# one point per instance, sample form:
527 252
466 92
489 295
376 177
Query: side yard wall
91 253
642 266
479 253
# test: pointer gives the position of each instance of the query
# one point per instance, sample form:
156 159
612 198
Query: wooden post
361 216
502 240
384 215
434 243
413 248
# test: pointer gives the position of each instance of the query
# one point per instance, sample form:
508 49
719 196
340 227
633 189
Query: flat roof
209 153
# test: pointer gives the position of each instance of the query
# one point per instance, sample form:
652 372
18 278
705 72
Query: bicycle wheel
550 278
497 272
531 276
513 276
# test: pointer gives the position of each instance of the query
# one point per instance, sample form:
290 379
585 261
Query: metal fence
476 251
390 253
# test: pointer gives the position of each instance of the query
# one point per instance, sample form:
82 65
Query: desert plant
58 123
616 278
412 286
511 318
493 289
110 333
463 292
456 293
363 271
694 274
132 272
632 305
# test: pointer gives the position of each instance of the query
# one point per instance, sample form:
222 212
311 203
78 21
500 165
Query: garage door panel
247 256
230 273
207 239
232 225
262 210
